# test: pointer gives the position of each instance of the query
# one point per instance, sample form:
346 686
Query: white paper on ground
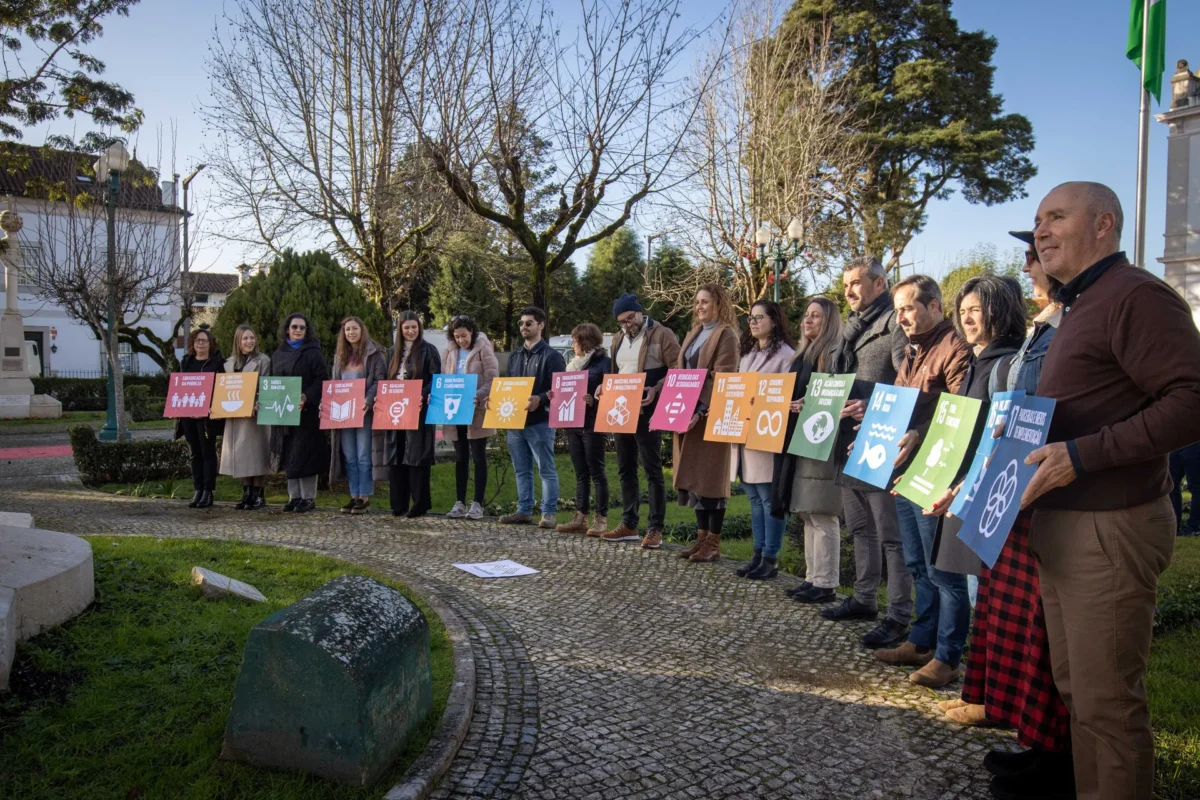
497 569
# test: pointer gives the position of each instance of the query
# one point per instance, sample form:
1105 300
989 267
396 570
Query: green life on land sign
278 401
930 474
817 423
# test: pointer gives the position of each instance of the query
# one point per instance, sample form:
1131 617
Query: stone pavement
614 673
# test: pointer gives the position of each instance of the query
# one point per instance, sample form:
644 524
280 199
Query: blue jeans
768 531
943 608
356 450
534 444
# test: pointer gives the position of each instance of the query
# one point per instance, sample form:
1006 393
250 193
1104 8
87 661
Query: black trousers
203 443
646 446
1185 463
409 487
587 456
467 452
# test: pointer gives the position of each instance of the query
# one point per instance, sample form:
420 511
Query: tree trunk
114 363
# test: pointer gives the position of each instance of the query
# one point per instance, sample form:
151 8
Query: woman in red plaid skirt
1008 680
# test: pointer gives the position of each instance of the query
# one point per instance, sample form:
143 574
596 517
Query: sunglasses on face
1031 256
527 323
298 327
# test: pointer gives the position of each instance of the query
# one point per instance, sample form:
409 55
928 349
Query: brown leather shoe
968 715
957 702
621 533
935 675
516 518
906 654
578 524
709 551
652 540
687 553
599 525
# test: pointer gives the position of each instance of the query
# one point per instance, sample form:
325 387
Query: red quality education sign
189 394
567 399
397 406
342 403
677 403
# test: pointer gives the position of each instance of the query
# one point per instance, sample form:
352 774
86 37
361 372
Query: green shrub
127 462
137 403
91 394
1178 606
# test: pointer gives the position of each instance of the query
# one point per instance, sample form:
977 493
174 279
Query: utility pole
185 287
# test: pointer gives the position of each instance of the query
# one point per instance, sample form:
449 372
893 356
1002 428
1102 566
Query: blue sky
1059 62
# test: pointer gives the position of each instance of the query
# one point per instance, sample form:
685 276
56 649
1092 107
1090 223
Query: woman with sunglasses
302 452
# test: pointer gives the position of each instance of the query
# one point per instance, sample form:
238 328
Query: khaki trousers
822 550
1099 580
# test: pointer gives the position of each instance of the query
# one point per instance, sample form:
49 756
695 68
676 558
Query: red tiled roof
21 164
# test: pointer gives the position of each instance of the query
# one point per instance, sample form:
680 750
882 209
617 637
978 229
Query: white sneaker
458 512
476 511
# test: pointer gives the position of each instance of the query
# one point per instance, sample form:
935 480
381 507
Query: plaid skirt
1008 666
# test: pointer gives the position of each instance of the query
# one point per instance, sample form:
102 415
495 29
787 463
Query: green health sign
279 401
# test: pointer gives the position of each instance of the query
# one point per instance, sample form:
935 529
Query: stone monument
1181 248
17 400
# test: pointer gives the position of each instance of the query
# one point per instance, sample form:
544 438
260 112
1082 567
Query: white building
65 347
1181 250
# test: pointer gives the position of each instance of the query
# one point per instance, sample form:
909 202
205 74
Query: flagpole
1139 224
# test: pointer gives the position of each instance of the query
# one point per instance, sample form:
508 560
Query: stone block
333 685
50 574
8 635
17 519
214 584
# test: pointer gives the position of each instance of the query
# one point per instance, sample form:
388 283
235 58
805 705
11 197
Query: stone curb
424 774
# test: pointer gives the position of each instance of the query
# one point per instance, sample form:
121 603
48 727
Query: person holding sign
201 432
935 361
702 468
469 352
534 444
641 347
409 454
766 348
806 486
246 447
358 356
302 451
584 444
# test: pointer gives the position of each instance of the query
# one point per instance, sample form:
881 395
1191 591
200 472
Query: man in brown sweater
1125 370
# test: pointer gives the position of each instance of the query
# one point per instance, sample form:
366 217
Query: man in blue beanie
642 345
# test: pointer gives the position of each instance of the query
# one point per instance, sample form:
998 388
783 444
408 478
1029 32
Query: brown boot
687 553
906 654
969 715
935 675
599 525
709 551
578 524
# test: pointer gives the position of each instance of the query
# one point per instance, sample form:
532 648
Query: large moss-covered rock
333 685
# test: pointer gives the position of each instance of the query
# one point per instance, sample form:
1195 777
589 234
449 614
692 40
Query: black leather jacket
539 362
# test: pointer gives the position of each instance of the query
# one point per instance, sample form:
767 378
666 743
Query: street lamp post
780 249
650 237
186 290
108 170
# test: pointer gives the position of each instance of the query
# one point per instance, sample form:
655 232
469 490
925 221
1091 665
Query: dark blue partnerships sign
997 416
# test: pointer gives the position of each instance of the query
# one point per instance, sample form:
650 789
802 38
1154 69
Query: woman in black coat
201 433
302 452
409 454
584 444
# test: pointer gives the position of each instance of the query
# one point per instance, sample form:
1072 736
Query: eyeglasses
757 318
297 327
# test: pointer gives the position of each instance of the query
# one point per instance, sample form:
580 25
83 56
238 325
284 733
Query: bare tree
311 139
772 143
69 266
498 78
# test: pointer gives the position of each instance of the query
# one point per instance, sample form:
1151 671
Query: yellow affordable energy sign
507 402
233 395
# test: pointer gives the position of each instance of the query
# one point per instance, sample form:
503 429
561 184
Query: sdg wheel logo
999 498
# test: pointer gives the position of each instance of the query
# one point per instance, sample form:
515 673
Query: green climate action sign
817 424
930 474
279 401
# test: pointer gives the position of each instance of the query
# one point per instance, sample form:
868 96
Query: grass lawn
94 418
130 699
443 491
1173 683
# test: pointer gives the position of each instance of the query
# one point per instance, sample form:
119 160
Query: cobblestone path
614 673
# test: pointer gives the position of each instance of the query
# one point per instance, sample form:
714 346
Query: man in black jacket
535 442
872 347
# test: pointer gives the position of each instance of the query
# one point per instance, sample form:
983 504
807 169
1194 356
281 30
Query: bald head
1077 224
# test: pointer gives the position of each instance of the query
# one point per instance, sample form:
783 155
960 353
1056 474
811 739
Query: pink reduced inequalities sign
677 403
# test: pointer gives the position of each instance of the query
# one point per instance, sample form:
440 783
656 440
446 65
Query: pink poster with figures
677 403
189 394
567 399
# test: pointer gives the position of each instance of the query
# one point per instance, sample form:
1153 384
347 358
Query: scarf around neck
580 362
854 327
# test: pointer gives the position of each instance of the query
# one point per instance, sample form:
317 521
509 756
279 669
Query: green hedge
1178 607
91 394
127 462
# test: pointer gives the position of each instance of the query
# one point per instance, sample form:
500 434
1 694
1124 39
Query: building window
201 300
31 259
124 355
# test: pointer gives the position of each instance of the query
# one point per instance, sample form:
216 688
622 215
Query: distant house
209 290
66 347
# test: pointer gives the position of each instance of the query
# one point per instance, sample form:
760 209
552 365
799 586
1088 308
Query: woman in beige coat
470 352
702 468
246 448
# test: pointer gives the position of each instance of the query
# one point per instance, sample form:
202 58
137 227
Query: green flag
1156 43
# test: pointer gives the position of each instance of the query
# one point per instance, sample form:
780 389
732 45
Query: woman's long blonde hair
240 358
816 350
347 353
726 314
